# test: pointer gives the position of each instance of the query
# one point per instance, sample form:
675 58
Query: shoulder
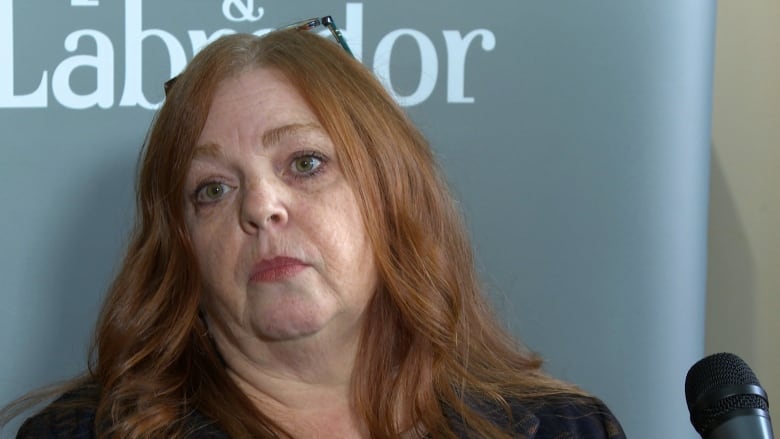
72 415
567 416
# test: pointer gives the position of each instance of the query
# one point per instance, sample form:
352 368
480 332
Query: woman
298 269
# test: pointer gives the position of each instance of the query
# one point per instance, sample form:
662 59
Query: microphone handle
744 427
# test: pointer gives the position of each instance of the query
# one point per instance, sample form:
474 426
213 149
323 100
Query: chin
290 326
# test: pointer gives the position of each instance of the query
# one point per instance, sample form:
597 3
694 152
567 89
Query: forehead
253 101
256 109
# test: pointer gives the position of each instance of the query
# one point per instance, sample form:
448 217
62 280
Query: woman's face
279 237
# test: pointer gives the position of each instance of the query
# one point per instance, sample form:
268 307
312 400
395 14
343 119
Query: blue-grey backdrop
575 134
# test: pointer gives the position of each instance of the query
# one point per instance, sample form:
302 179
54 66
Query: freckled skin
265 201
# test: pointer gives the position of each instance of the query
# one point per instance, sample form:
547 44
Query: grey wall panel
575 134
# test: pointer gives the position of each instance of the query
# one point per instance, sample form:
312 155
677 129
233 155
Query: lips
276 269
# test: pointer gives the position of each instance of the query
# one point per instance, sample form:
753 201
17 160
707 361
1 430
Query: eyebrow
209 149
270 138
275 135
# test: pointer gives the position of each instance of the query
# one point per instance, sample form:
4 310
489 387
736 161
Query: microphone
726 400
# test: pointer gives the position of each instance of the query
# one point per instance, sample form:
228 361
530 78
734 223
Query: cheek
215 250
217 260
344 236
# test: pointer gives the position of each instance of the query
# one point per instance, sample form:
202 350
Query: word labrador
102 60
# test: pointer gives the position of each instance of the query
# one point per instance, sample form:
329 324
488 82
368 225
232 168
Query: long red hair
430 341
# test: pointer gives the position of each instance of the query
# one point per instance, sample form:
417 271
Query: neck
303 384
292 378
311 396
304 409
303 387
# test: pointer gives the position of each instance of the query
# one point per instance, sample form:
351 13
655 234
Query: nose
263 206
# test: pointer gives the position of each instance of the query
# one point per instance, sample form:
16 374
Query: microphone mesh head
716 372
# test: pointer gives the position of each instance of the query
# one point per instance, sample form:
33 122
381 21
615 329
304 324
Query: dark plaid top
576 417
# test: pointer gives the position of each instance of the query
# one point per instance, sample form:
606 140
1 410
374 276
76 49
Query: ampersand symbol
245 10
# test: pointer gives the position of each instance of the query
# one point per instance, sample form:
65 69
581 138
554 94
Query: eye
210 192
306 164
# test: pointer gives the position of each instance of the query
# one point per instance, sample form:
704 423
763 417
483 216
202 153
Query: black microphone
726 400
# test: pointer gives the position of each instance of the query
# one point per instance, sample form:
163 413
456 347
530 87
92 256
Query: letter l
38 98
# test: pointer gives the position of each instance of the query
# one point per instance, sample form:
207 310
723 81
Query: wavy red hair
430 342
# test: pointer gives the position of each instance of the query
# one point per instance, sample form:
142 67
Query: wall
744 233
575 135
